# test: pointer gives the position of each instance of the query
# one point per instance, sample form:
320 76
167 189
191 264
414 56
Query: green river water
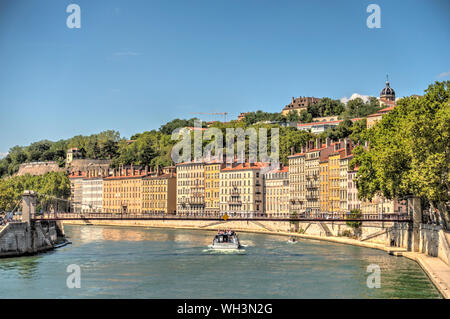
128 262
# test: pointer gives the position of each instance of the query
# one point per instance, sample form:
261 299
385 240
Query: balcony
235 192
196 201
311 186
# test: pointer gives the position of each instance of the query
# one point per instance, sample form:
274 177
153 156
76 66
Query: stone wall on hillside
84 165
38 168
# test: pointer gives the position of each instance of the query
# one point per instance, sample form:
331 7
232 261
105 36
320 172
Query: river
129 262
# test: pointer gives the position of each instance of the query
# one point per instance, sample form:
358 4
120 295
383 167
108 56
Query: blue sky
135 65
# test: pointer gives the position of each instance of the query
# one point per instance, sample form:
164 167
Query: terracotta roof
297 154
192 128
285 169
159 176
128 176
329 122
245 166
77 175
387 109
317 123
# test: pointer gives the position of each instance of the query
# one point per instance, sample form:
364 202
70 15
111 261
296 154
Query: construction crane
220 113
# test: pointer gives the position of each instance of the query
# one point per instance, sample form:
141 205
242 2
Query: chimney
292 150
347 146
328 141
318 143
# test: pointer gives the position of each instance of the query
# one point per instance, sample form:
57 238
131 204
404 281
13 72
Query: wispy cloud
365 98
127 53
444 74
3 154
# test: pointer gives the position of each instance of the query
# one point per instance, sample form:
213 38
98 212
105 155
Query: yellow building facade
324 186
159 193
122 192
212 186
334 181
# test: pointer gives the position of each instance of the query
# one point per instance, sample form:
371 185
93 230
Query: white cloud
365 98
444 74
3 154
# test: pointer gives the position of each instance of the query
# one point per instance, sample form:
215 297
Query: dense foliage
409 151
49 186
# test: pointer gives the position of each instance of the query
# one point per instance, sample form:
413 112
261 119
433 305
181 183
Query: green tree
409 151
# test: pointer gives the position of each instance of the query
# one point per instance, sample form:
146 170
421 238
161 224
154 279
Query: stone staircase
375 234
326 229
262 226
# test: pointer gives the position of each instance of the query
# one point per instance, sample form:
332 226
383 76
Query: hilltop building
299 104
73 153
372 119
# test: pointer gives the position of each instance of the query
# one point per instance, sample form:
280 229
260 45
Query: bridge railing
230 215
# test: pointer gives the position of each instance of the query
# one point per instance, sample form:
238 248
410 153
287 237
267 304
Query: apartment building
345 159
122 192
297 187
312 177
212 186
241 188
191 187
276 191
352 190
92 191
76 191
159 191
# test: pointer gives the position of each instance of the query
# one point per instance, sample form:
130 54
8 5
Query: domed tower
387 93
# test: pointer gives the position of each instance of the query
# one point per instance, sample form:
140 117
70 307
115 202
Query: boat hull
225 246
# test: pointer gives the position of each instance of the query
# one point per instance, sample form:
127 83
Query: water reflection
24 267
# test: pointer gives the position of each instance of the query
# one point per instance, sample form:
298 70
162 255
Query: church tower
387 93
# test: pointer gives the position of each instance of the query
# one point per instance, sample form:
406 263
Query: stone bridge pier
28 236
